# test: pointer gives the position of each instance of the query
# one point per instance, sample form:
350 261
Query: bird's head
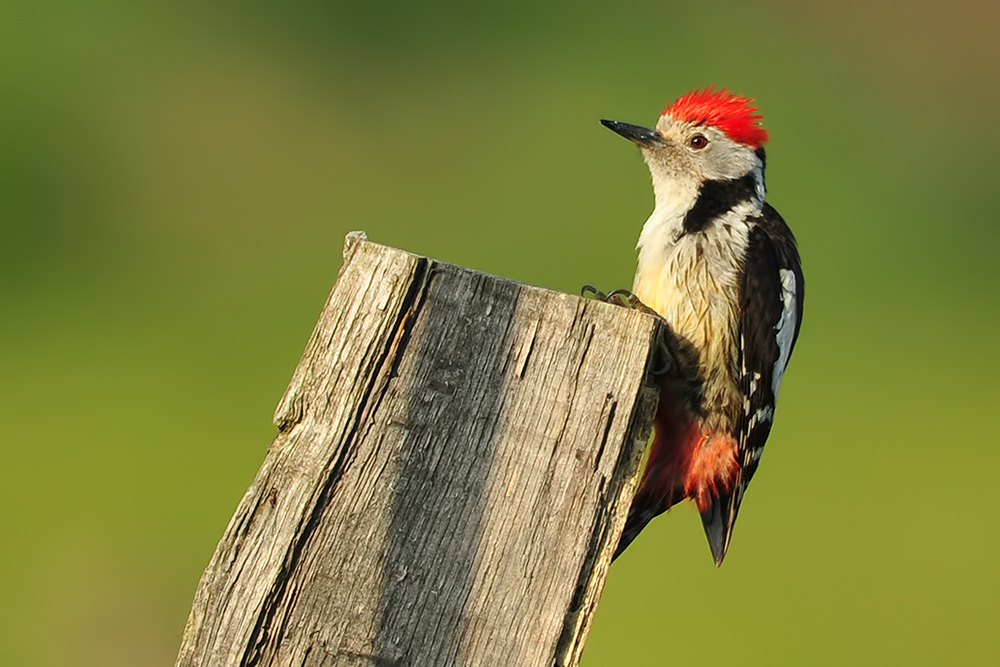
705 135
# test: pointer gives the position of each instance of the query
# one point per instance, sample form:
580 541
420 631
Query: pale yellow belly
700 310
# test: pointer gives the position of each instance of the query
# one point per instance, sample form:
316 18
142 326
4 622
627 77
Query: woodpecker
721 267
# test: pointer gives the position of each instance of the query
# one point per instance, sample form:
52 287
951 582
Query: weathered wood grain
455 459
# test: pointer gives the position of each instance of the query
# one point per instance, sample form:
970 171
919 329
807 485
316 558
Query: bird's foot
619 297
626 299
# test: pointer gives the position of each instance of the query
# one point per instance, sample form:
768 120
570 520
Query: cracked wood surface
455 458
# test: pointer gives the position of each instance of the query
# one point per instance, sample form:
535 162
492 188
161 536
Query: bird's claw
593 292
618 297
626 299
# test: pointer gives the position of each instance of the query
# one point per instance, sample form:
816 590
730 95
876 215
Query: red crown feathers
730 113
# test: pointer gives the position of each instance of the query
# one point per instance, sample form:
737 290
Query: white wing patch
762 415
785 329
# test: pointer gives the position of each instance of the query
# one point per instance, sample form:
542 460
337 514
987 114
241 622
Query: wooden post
455 459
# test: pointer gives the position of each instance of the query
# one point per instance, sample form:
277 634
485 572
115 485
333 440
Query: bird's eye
698 141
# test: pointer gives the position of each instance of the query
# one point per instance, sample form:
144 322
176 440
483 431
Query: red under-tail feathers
684 461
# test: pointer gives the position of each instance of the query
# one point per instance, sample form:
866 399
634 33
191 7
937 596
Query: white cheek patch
785 329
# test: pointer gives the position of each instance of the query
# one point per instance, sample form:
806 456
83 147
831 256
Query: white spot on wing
763 415
785 329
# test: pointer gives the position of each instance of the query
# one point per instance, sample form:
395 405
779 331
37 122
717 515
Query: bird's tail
662 483
638 517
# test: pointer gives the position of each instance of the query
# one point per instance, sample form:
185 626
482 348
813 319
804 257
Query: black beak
719 519
643 136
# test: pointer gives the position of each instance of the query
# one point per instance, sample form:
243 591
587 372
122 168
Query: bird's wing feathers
771 300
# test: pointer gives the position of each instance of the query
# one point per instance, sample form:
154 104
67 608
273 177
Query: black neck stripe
717 197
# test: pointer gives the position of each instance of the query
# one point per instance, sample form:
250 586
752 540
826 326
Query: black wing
771 300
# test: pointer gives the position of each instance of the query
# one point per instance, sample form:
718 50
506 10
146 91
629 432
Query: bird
721 267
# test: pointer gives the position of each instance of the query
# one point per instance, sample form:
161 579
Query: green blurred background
175 184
